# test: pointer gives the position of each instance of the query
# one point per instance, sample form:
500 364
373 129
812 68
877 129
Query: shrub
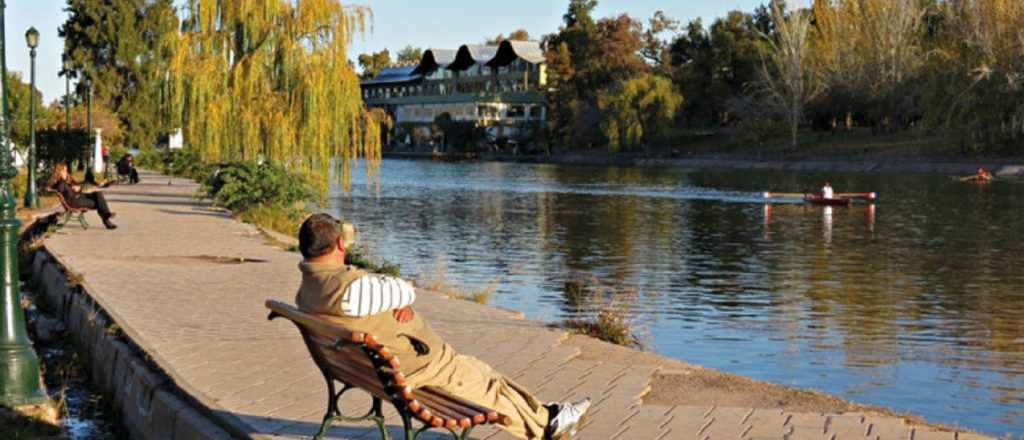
601 314
357 257
151 158
241 186
178 163
186 163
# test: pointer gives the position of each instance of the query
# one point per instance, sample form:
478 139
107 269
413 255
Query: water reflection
924 299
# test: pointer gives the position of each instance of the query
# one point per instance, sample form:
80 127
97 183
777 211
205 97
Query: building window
536 112
516 111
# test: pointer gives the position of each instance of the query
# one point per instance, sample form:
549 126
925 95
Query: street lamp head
32 38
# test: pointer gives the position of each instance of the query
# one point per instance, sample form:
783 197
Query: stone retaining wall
148 403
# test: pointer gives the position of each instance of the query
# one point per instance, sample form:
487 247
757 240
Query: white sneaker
567 418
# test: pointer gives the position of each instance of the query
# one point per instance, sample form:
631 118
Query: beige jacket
320 293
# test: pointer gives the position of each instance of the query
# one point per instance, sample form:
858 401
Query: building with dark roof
500 88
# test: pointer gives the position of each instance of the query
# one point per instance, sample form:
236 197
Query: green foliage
714 66
241 186
56 145
116 152
185 163
127 68
638 110
18 96
19 184
463 135
358 257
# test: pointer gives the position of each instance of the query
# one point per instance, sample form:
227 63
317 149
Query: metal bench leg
82 221
333 414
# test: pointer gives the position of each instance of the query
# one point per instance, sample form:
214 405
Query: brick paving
203 322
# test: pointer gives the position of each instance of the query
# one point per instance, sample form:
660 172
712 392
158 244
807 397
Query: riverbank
1009 168
186 283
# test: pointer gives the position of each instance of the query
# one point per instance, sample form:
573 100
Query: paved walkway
203 321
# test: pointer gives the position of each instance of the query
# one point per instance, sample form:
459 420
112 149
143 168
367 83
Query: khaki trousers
474 380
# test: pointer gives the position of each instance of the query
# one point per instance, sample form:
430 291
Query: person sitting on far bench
382 306
126 169
64 185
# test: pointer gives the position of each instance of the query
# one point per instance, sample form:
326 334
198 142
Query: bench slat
462 416
492 415
310 322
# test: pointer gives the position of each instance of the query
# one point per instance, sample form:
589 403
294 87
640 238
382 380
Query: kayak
835 201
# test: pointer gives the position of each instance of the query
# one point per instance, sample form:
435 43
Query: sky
396 24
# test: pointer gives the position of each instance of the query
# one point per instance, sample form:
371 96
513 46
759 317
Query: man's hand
404 314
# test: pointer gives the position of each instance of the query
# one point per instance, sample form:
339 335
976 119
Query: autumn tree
786 81
982 69
271 79
373 63
410 54
516 35
656 48
585 57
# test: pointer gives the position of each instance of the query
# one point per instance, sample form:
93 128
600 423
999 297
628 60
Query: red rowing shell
836 201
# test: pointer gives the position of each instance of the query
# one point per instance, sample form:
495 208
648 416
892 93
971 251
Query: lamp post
67 73
31 198
67 101
86 157
19 366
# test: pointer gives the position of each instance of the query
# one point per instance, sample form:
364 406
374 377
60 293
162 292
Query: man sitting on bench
381 306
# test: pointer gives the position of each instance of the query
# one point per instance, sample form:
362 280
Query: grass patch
601 314
480 296
438 281
275 218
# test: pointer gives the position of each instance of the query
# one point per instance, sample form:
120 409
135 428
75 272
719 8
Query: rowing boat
974 178
868 197
834 201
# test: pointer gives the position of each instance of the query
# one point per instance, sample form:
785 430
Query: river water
915 303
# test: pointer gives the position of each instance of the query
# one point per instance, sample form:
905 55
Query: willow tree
270 79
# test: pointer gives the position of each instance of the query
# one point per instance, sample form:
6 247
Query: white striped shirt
373 294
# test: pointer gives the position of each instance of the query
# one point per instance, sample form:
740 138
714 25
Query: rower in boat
826 191
827 197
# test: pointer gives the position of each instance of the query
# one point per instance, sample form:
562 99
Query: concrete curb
146 400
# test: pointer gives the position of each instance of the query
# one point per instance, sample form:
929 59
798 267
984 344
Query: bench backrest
359 360
64 203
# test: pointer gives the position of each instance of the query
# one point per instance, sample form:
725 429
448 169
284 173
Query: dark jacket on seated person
78 199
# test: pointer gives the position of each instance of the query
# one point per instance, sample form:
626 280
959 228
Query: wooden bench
70 212
356 360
